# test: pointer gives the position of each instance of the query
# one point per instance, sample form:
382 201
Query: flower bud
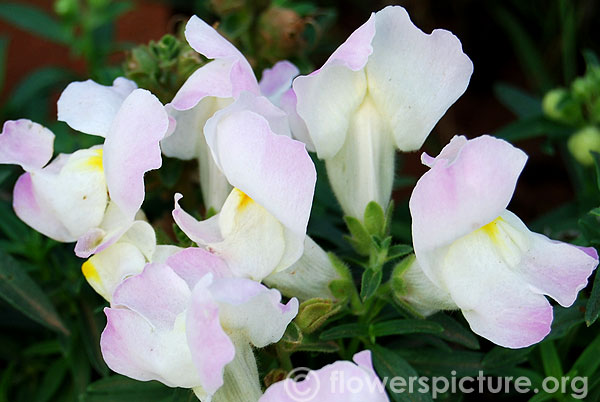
583 142
280 29
313 313
559 105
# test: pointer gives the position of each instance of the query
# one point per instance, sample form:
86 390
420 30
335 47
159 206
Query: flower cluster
190 317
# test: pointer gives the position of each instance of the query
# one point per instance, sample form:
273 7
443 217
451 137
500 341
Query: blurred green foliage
51 320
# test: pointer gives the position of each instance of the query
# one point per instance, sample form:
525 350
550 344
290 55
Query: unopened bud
583 142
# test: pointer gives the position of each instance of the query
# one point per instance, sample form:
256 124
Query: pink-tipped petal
90 107
211 348
249 308
36 213
274 170
208 42
91 242
481 273
355 51
460 195
170 295
131 346
326 100
247 102
275 81
202 232
414 77
342 381
363 359
132 148
25 143
297 125
193 263
212 79
559 270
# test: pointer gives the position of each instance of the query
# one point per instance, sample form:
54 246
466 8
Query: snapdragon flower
209 89
475 255
133 121
91 196
342 381
106 269
382 89
261 228
188 323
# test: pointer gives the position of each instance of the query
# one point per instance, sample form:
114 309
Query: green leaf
6 381
567 39
45 348
361 239
592 309
371 280
565 319
500 357
455 331
533 127
550 360
399 250
596 157
590 226
20 291
318 347
122 389
5 171
91 325
53 378
38 83
588 362
525 47
353 330
12 226
81 371
374 219
34 20
389 364
401 327
433 362
518 101
292 338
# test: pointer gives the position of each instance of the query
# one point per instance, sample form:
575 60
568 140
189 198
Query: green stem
284 359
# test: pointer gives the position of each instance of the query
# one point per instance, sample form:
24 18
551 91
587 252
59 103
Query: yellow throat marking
95 161
89 271
243 200
492 230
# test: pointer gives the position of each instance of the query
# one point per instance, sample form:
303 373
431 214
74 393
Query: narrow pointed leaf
20 291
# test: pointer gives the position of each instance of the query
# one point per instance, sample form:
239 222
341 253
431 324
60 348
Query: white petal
107 269
326 102
413 77
90 107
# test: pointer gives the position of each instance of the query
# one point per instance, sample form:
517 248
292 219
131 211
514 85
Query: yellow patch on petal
89 271
493 231
95 161
508 241
243 200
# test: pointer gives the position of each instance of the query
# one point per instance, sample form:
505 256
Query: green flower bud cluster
163 66
579 107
